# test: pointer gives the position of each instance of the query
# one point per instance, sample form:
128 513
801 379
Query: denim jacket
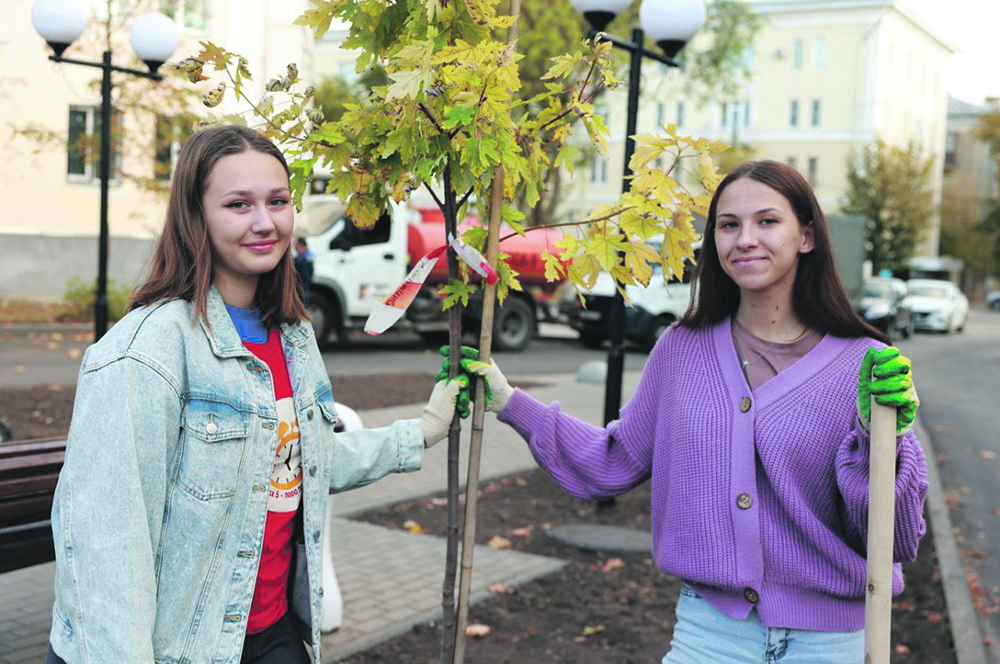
160 509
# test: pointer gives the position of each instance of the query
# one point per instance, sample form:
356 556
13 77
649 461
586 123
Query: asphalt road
958 380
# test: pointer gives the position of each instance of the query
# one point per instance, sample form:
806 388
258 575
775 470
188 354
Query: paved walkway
383 597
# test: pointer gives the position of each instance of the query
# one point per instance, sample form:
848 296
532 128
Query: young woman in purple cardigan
750 419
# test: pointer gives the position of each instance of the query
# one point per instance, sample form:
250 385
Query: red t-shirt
284 496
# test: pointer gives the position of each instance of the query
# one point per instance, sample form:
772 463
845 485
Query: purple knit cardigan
759 499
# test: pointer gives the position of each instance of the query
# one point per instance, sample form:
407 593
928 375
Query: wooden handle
881 506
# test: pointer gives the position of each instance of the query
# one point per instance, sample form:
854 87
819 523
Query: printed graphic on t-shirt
285 491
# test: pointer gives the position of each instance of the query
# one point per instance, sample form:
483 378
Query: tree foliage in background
891 188
989 131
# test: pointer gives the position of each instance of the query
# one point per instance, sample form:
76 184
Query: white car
937 305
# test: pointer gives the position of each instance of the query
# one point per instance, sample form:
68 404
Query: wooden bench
29 471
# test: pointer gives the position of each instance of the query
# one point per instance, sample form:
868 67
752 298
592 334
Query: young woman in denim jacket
188 518
750 421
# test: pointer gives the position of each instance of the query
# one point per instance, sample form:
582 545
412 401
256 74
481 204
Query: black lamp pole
101 303
616 356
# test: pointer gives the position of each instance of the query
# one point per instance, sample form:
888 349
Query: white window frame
91 169
175 146
181 14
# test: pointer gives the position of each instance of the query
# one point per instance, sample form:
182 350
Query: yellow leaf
413 526
643 155
590 630
605 248
674 249
498 542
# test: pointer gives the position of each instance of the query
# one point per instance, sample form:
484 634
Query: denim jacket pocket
327 406
214 441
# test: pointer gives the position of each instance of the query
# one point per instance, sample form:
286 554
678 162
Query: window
599 170
813 170
794 113
820 53
798 52
171 134
659 114
815 112
746 114
791 161
352 236
950 155
84 146
748 58
680 114
191 14
724 108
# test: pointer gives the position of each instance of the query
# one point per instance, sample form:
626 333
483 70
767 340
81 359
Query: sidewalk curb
965 632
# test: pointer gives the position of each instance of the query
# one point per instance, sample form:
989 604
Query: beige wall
883 75
39 92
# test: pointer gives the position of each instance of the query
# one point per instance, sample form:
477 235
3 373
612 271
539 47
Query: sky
971 27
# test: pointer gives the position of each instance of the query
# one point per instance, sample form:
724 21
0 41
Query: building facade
828 77
51 234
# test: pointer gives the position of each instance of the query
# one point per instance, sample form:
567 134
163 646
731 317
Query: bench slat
35 464
29 485
24 509
20 448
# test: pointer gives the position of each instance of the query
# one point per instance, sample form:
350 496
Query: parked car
884 306
937 305
993 300
654 307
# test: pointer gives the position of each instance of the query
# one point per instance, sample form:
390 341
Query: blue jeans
705 634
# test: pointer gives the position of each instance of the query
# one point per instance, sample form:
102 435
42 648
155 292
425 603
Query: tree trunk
455 344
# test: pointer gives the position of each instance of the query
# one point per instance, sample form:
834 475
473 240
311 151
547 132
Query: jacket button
745 404
751 595
309 414
268 425
316 536
321 591
744 501
312 471
211 428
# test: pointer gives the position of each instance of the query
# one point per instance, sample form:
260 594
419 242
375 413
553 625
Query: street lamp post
154 38
671 24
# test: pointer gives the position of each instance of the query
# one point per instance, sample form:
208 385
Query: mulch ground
600 608
604 607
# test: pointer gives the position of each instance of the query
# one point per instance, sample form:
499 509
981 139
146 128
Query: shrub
80 297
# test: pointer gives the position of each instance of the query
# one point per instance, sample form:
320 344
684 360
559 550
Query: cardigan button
745 404
751 595
744 501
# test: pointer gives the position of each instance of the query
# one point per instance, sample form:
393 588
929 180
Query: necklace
739 352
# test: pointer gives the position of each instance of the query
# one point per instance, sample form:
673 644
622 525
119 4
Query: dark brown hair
181 264
818 298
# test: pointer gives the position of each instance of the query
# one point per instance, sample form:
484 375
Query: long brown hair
181 264
818 298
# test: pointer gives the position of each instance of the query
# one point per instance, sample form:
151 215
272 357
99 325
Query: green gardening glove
469 355
892 386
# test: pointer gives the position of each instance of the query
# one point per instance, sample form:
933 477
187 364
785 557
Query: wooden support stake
881 508
479 411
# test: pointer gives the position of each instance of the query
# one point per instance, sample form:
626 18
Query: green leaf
458 116
454 291
563 67
319 18
605 248
405 84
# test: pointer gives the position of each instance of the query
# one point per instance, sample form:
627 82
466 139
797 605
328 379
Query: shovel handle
881 505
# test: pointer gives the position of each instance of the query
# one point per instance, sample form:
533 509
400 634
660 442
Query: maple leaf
405 84
605 248
319 19
214 54
454 291
563 67
553 268
674 249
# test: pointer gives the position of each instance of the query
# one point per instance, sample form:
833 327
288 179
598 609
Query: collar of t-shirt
768 359
248 324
